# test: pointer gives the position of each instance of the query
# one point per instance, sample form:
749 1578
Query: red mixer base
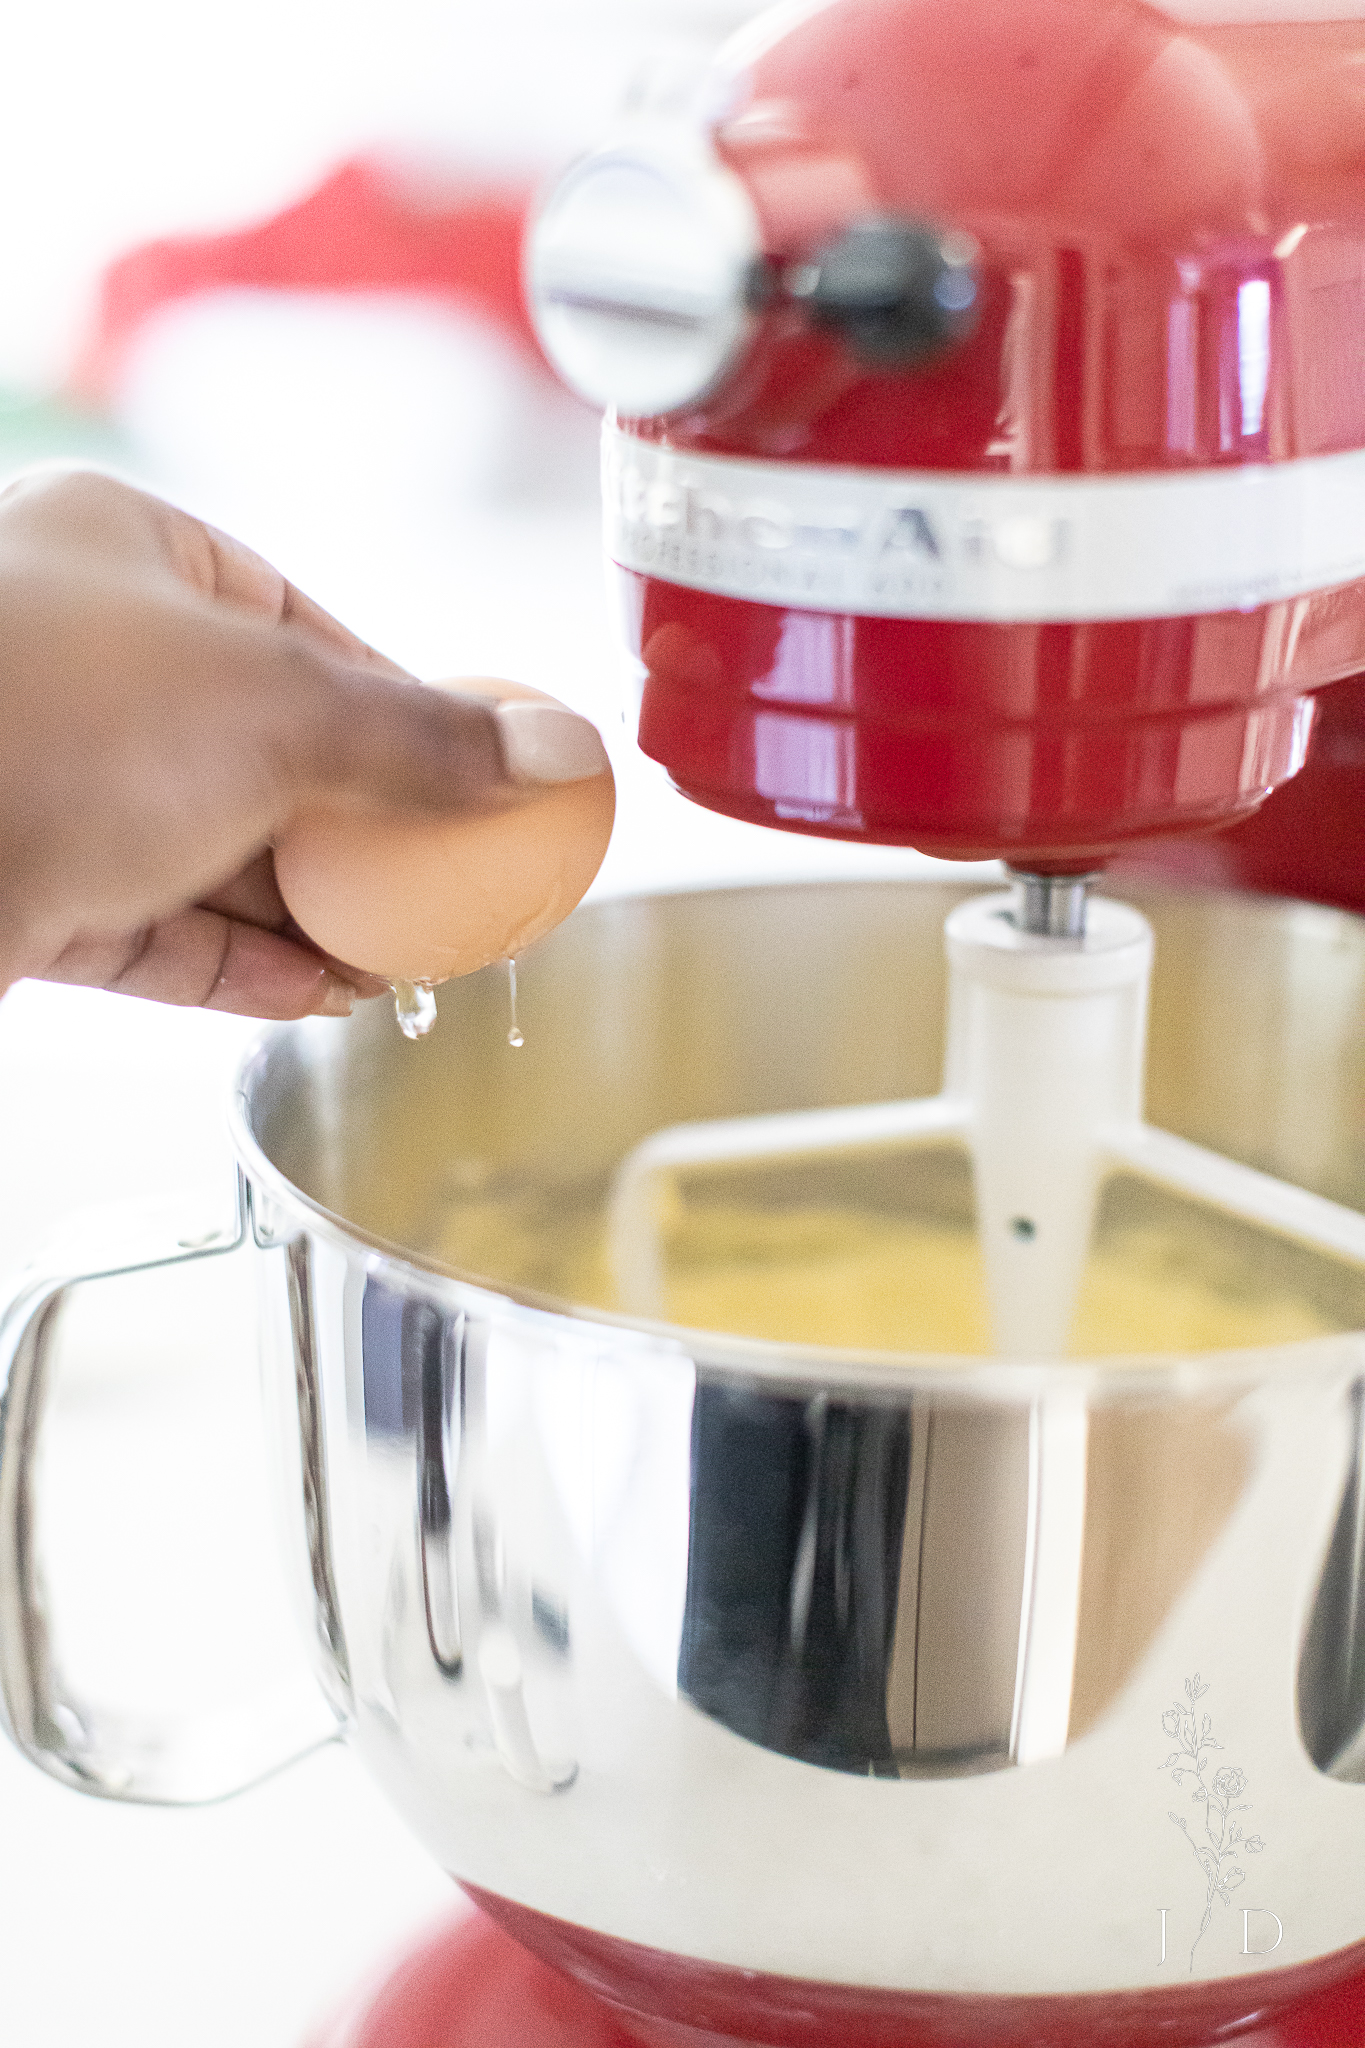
473 1986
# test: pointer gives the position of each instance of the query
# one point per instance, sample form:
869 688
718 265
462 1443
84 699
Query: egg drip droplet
415 1006
514 1036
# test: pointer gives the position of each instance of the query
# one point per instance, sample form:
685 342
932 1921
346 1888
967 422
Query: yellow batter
872 1281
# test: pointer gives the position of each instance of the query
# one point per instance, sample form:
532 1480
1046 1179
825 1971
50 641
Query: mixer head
984 465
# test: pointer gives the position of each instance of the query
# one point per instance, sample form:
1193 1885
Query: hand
167 703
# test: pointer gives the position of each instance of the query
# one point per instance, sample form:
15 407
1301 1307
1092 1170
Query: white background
442 502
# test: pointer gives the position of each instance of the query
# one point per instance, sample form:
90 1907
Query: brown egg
420 899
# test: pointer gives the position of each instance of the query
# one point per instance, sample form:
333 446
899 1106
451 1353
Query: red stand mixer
985 473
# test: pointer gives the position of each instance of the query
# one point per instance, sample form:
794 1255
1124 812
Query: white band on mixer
908 544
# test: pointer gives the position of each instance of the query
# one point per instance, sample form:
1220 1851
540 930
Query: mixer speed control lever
898 291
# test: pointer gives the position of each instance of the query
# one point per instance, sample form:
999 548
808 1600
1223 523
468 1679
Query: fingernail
547 743
338 997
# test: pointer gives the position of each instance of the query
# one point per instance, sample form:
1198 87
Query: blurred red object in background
369 227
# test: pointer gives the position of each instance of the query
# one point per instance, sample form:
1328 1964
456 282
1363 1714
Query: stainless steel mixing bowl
739 1651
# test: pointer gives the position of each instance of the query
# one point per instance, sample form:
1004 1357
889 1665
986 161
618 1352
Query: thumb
378 740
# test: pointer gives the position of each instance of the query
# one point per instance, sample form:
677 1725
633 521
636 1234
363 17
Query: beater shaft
1050 906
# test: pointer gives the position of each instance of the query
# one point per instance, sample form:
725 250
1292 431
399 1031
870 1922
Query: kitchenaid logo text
691 520
901 548
980 547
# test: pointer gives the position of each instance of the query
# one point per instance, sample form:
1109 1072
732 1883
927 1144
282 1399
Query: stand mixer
984 471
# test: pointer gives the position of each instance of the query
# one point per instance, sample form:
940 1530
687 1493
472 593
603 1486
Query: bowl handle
174 1760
